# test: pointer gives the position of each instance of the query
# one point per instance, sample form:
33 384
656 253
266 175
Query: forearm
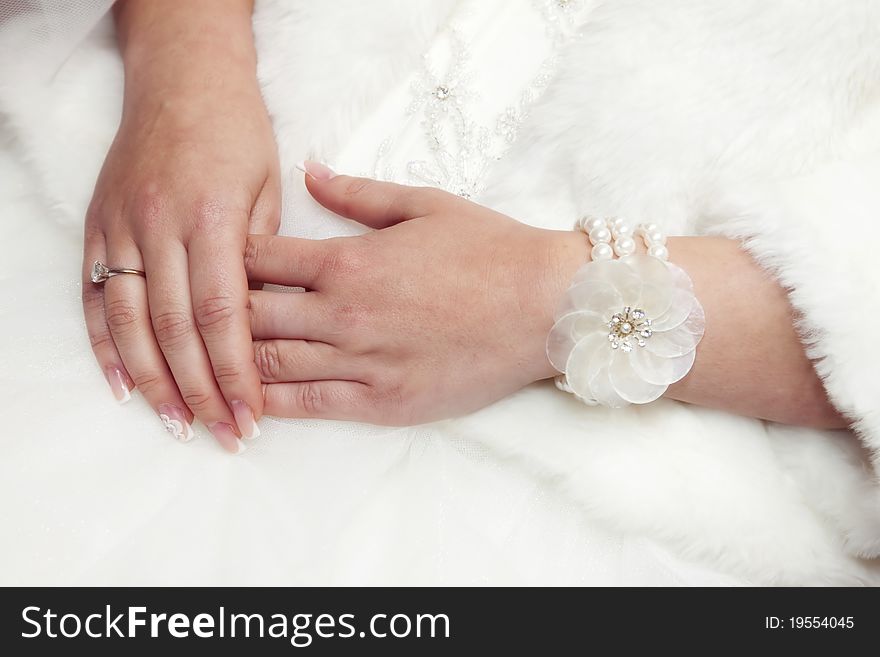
751 360
194 47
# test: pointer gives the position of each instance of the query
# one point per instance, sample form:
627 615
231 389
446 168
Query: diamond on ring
100 272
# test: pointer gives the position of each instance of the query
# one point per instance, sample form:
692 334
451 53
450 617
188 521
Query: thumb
371 202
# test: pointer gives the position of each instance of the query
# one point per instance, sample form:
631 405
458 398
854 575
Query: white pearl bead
589 223
655 237
614 222
600 234
624 246
602 251
658 251
647 228
622 230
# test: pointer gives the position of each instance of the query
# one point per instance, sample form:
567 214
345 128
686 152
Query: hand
443 310
192 170
447 308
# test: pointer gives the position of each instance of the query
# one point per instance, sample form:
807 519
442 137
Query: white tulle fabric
42 34
601 370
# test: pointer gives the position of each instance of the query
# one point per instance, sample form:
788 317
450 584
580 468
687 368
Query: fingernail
225 435
175 422
316 170
117 384
244 418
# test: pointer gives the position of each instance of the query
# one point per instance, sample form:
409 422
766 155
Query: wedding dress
543 109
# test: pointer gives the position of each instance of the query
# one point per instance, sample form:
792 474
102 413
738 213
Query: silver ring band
101 272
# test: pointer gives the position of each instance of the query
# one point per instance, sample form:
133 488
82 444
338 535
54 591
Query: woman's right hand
193 170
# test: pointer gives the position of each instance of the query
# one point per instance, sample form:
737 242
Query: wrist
565 251
630 325
187 46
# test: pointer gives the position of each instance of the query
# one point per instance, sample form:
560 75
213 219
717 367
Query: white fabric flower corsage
626 329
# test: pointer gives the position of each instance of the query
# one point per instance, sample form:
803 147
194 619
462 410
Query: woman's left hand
444 309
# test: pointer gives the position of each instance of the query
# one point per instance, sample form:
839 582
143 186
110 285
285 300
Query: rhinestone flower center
628 328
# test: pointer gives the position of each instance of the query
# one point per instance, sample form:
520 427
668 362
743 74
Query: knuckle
252 253
146 382
197 400
268 360
93 231
147 205
357 185
172 328
121 315
214 313
390 398
344 261
92 297
227 373
100 339
311 398
208 214
349 315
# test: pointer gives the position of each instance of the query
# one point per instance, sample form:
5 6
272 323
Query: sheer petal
655 300
613 378
567 332
656 280
588 357
671 344
593 270
679 310
596 295
629 385
680 278
603 392
619 276
649 269
696 322
587 323
659 370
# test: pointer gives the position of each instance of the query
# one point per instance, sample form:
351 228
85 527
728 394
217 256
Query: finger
181 344
330 400
285 361
128 316
266 213
288 260
371 202
96 322
219 289
289 315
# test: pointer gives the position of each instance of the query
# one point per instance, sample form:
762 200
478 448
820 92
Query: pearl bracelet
627 327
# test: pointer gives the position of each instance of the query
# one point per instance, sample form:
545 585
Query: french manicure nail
225 435
117 384
175 422
316 170
244 418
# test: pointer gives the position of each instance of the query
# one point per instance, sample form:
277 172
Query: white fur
703 115
750 119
